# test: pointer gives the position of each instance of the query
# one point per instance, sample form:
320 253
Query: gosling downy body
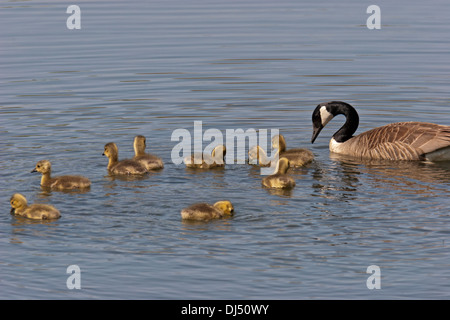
297 157
149 161
395 141
124 167
20 207
280 180
204 161
68 182
205 211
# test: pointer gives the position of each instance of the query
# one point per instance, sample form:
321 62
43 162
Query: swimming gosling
280 180
149 161
124 167
297 157
68 182
20 207
257 156
205 211
204 161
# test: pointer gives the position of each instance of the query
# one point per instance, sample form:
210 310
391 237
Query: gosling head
43 166
139 144
224 206
279 143
17 201
111 150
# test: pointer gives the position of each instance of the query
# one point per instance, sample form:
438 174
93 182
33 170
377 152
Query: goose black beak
34 170
13 211
316 131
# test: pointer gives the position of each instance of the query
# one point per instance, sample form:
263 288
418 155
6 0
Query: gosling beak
103 154
316 131
34 170
13 211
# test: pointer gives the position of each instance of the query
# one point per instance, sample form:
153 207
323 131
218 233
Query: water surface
150 67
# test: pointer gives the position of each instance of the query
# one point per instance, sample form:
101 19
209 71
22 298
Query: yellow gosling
280 180
149 161
297 157
205 211
20 207
68 182
257 156
124 167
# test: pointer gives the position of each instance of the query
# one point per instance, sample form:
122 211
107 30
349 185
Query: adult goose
395 141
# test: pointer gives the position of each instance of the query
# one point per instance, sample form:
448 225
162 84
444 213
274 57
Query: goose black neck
351 122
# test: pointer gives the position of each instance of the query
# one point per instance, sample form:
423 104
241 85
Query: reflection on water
404 177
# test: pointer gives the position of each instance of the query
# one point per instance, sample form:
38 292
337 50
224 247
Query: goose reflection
347 175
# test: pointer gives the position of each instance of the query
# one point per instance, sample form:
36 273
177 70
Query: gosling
205 211
149 161
298 157
20 207
61 182
124 167
257 156
204 161
280 180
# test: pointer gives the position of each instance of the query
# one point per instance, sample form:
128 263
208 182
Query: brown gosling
215 160
151 162
68 182
280 180
205 211
20 207
395 141
297 157
124 167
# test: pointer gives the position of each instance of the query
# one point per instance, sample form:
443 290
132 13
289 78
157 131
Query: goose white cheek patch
325 116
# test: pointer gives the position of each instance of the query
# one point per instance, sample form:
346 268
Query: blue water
151 67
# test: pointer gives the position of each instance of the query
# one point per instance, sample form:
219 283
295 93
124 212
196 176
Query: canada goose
297 157
20 207
121 167
395 141
61 182
216 159
205 211
151 162
280 179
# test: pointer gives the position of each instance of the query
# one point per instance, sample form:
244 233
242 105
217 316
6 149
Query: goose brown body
20 207
67 182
